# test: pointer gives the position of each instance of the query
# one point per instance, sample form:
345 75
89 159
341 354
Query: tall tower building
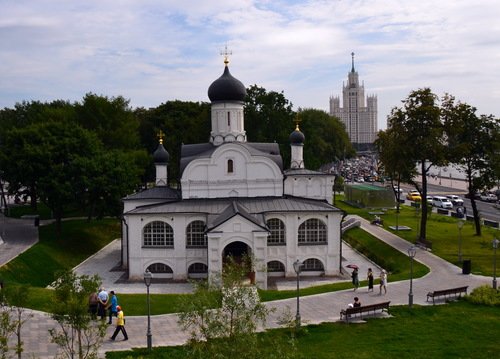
360 120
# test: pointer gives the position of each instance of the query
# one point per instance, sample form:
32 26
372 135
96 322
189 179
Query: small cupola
161 158
297 139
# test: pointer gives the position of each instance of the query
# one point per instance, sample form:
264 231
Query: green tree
77 335
222 319
393 159
7 327
111 119
101 181
269 118
182 122
325 138
421 129
48 157
19 314
22 116
473 145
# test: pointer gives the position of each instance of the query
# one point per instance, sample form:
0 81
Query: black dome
161 155
297 137
227 88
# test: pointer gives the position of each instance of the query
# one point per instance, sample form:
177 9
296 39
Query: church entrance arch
237 250
241 254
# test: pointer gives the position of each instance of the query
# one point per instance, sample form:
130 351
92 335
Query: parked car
488 197
442 202
455 200
414 196
477 195
429 200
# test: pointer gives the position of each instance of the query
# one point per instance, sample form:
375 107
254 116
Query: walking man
120 324
112 306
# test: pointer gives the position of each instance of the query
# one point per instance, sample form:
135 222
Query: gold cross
160 136
226 54
297 121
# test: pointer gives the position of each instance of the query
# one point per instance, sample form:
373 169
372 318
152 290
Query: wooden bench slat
346 313
445 292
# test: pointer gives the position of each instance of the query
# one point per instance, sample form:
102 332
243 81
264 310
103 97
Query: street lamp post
147 280
460 225
297 267
412 251
495 246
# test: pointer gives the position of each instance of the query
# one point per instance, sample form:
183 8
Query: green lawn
442 231
457 330
79 239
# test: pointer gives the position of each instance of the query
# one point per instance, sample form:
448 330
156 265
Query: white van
442 202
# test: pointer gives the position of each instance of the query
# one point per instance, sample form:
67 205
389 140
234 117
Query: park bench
370 308
446 293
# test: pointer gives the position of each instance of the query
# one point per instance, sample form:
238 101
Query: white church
235 198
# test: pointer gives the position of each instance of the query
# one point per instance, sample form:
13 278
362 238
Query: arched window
159 268
312 231
277 235
230 167
198 268
313 265
195 234
158 234
275 266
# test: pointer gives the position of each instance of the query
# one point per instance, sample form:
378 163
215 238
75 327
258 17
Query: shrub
485 295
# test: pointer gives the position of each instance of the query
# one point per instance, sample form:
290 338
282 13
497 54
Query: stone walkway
313 309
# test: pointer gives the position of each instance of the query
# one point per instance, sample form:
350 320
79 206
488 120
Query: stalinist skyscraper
360 120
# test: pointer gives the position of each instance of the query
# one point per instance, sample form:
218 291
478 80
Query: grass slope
442 231
457 330
79 240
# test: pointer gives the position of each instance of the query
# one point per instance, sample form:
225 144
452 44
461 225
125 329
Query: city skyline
159 51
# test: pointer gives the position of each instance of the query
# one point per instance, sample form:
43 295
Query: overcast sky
152 51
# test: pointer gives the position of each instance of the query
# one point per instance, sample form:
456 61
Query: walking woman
369 276
383 281
355 278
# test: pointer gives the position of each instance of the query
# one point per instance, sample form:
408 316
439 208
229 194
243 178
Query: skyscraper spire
352 54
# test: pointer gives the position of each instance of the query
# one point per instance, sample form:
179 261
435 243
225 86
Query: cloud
156 51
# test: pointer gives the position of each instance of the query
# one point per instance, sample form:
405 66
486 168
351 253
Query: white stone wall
252 176
240 229
314 187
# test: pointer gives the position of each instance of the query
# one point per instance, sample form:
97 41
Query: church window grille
277 235
198 268
195 234
230 166
313 265
275 266
312 231
158 234
159 268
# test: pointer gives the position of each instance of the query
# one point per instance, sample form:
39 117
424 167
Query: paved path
313 309
18 235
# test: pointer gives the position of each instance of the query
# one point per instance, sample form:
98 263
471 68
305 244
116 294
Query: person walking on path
112 306
93 303
383 281
369 276
120 324
355 278
103 298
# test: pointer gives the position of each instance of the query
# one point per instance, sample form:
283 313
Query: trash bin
37 221
466 266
